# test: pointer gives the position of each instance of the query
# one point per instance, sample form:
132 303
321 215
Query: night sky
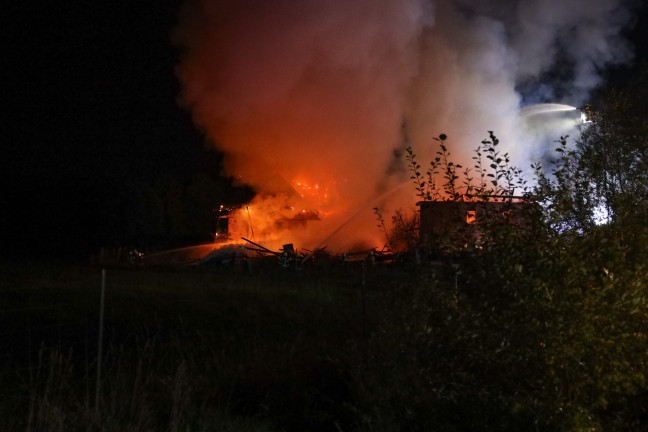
96 82
92 119
91 97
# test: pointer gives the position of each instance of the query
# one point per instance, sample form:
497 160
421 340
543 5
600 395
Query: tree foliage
543 327
612 151
492 174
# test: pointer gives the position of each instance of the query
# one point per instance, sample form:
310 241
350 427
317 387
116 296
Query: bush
540 328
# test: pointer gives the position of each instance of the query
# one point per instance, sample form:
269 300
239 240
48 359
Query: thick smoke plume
313 98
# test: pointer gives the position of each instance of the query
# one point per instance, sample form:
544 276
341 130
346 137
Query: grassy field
183 350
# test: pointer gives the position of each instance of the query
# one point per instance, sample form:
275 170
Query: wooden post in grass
100 342
362 295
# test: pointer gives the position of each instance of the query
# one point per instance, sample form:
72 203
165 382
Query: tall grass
136 397
185 351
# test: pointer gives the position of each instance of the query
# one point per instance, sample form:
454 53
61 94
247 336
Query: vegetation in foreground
537 321
183 350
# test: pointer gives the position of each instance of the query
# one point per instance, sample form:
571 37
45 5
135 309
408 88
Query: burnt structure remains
451 221
233 222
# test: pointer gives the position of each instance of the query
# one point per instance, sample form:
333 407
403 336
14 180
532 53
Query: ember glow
321 199
307 98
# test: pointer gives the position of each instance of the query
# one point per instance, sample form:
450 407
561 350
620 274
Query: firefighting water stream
307 99
545 108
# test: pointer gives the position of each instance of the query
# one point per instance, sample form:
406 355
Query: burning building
310 96
232 223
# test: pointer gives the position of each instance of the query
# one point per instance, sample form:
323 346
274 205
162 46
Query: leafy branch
492 171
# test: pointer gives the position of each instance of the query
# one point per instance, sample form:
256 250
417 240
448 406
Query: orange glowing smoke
305 99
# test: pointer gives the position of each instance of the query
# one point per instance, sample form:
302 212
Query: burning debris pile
270 224
246 255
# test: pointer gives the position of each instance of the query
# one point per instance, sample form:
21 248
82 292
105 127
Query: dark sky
91 98
95 79
91 115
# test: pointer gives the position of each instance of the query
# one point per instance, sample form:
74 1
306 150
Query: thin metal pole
100 342
362 295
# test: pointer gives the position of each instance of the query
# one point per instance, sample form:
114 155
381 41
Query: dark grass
184 349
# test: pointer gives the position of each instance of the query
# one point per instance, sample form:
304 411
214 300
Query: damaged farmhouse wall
462 219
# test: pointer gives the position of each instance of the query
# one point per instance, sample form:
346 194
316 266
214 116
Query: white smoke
587 31
319 89
482 61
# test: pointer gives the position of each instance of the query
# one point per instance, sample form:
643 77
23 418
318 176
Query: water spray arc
365 207
545 108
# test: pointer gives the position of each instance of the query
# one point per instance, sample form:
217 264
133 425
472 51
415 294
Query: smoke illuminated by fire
308 98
